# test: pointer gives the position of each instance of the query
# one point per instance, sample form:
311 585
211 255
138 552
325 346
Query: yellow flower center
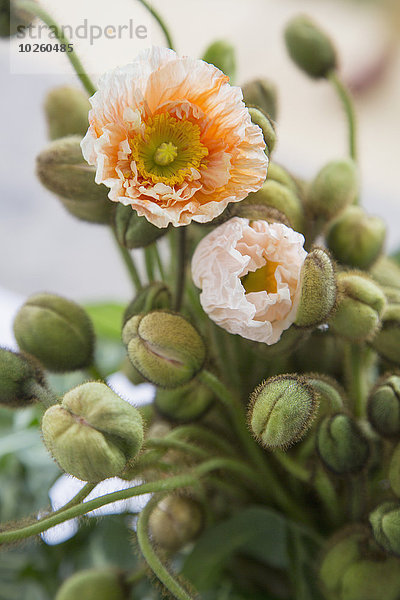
261 280
168 150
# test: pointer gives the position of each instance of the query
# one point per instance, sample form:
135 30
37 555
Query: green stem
151 557
38 11
77 499
149 261
203 435
181 268
356 378
349 110
158 260
292 466
160 21
328 496
164 485
167 444
129 263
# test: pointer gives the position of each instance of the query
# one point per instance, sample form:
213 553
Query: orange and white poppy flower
249 274
171 138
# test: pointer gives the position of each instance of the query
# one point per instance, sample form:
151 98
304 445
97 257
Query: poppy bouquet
267 319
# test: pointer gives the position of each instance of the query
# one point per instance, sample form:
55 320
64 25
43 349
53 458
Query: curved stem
38 11
161 23
151 557
349 110
129 263
77 499
181 268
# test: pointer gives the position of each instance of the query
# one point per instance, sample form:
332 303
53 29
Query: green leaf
107 319
260 532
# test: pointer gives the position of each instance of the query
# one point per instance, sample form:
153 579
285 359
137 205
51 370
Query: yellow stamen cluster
261 280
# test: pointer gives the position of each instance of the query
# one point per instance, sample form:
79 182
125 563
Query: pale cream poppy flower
171 138
249 274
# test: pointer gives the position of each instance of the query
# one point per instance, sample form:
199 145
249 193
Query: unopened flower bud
164 347
93 433
384 406
133 231
12 18
22 380
57 331
385 522
66 110
343 550
355 238
282 410
261 94
94 584
261 119
309 47
62 169
184 404
359 308
386 272
372 579
387 341
342 445
222 55
175 521
279 174
329 393
334 188
154 296
275 195
318 289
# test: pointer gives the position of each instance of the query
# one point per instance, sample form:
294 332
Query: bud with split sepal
184 404
341 444
384 406
385 523
133 231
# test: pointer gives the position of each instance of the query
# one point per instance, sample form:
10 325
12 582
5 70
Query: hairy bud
62 169
262 120
334 188
221 54
12 17
359 308
275 195
387 341
372 579
384 406
356 239
318 289
154 296
385 523
164 347
175 521
262 94
309 47
386 272
22 380
93 433
133 231
329 392
66 109
56 331
93 584
282 410
184 404
341 445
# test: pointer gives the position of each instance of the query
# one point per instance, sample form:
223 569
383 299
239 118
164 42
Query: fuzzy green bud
275 195
385 523
329 392
154 296
278 173
343 550
282 410
356 239
318 289
164 347
175 521
13 18
342 445
222 55
386 272
22 380
359 308
93 584
334 188
93 433
184 404
309 47
387 341
57 331
372 580
66 109
259 118
261 94
133 231
62 169
384 406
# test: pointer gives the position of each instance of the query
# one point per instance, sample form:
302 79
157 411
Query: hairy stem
347 102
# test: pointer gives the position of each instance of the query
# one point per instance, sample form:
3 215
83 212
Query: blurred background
43 248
